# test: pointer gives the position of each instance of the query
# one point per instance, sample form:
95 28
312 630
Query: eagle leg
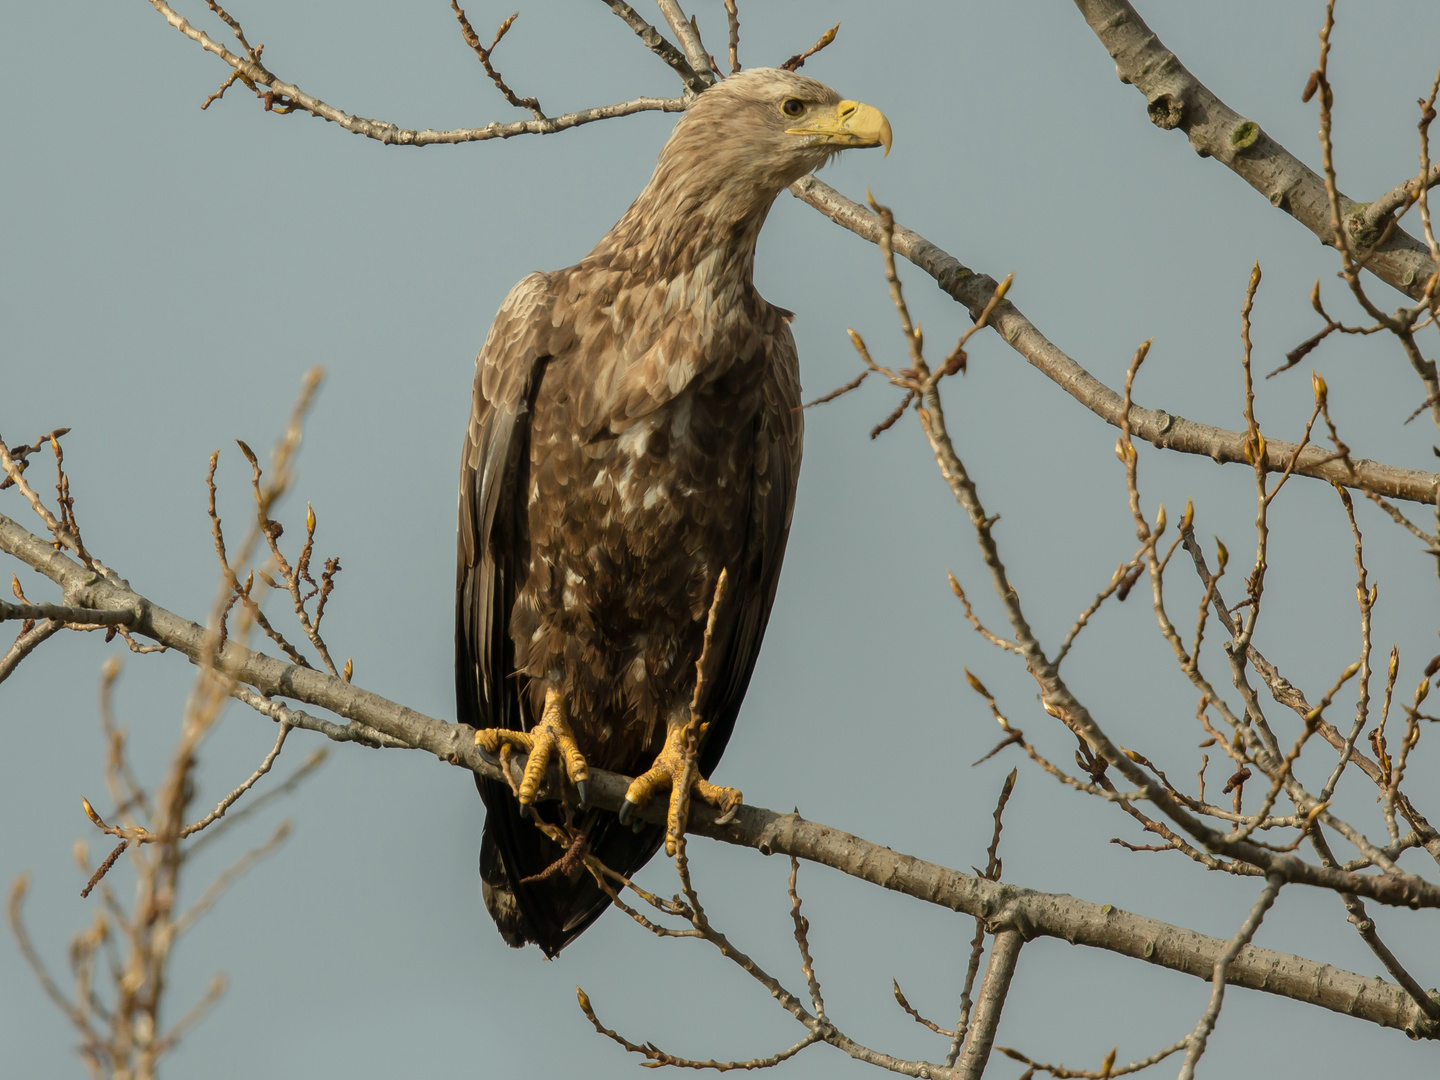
551 734
674 768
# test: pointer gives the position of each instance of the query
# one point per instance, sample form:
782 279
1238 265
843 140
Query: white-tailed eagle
635 432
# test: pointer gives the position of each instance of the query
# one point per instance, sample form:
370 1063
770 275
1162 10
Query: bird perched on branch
635 434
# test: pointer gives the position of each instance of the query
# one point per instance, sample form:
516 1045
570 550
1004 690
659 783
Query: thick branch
63 614
993 991
1176 99
1156 426
689 38
1034 914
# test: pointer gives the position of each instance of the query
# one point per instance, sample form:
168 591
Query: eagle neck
691 223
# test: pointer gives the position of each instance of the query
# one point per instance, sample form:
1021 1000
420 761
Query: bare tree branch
1176 99
284 97
732 18
1365 926
962 1032
1374 217
1107 1072
483 55
993 991
796 62
689 38
62 613
1042 914
1195 1045
1292 698
657 43
253 779
18 888
975 291
1156 426
97 598
234 873
27 643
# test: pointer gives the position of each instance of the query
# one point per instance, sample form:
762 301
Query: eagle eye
792 107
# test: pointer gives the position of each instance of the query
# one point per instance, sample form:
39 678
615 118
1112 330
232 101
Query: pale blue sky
168 275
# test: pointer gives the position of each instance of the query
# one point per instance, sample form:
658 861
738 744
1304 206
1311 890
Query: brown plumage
634 432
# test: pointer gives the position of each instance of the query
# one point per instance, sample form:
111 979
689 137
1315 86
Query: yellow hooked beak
850 123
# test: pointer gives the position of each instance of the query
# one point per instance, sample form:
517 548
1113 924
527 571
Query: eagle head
740 143
758 131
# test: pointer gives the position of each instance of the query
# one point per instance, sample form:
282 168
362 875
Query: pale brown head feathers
740 144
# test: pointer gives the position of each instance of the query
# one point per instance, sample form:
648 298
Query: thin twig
234 873
977 944
1360 919
802 943
1060 1072
915 1015
18 888
282 98
853 384
103 868
229 800
653 1053
197 1013
657 43
994 639
26 643
1196 1042
1117 583
473 40
796 62
732 17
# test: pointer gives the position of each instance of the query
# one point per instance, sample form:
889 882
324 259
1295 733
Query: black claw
638 826
524 811
486 755
626 809
582 788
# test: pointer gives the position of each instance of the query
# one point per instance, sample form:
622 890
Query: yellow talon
675 769
550 734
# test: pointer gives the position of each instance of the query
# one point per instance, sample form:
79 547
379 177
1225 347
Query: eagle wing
492 547
772 504
492 562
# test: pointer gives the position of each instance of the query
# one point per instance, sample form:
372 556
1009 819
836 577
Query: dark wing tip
499 897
